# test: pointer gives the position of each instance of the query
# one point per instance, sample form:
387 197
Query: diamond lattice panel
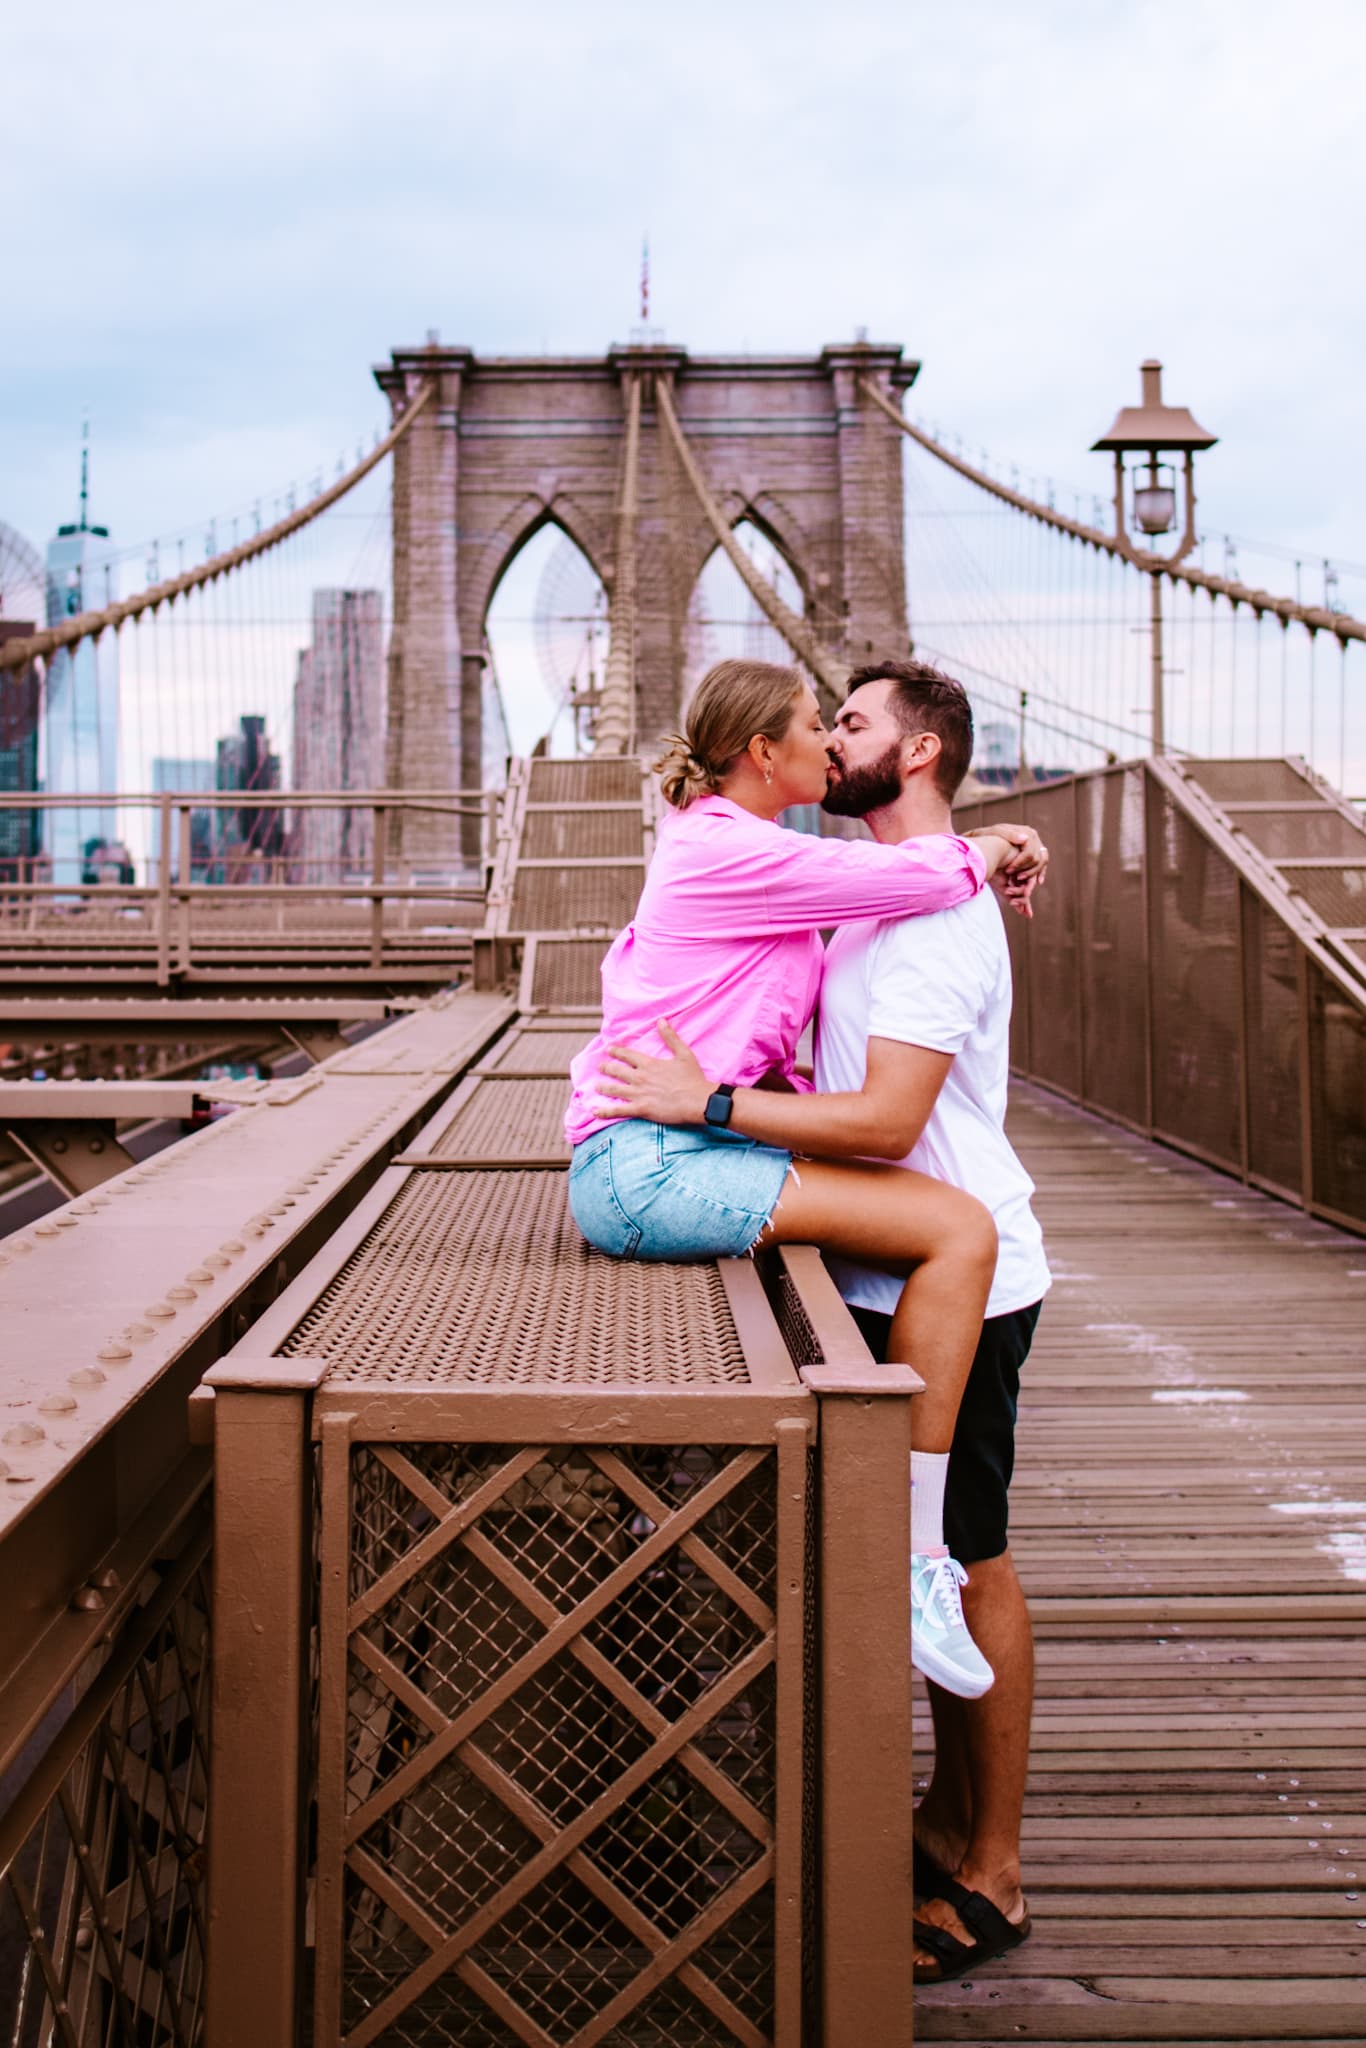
560 1728
483 1278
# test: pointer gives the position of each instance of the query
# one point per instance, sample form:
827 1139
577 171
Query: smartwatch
720 1103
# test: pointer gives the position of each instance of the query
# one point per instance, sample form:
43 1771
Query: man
941 985
912 1064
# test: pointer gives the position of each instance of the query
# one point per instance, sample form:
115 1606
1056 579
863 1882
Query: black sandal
995 1935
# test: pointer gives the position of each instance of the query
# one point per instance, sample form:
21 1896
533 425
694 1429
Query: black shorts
976 1506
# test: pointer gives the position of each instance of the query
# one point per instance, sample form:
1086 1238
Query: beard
853 792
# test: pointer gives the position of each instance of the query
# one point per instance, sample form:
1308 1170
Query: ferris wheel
571 631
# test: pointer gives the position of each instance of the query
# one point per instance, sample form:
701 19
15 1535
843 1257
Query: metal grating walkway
1190 1526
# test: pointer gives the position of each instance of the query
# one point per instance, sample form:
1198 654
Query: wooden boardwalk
1190 1521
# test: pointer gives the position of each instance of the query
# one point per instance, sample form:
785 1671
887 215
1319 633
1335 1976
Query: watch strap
719 1105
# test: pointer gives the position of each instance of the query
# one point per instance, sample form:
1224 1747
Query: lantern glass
1155 508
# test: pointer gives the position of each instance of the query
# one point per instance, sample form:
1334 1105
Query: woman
725 945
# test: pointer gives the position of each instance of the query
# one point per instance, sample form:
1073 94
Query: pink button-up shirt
724 942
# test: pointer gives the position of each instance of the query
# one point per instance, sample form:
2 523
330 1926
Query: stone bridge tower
512 442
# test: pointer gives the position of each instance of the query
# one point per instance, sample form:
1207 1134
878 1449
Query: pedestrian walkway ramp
1189 1517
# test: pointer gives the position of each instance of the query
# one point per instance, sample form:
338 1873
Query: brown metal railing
1192 971
254 899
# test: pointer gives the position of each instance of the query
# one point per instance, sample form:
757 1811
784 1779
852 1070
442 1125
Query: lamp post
1152 429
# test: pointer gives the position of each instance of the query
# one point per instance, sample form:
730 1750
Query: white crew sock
929 1470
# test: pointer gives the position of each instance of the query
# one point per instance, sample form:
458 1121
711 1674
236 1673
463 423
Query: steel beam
75 1152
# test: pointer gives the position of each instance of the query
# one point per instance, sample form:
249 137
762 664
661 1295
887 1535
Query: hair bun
683 777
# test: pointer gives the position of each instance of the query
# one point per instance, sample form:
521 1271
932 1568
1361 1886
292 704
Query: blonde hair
735 702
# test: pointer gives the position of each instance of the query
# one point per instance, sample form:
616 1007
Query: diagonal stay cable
17 654
1316 617
795 631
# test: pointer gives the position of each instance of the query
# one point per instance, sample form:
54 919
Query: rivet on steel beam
19 1478
86 1376
199 1276
26 1432
88 1600
65 1222
161 1310
279 1208
137 1330
232 1246
57 1404
46 1230
216 1263
107 1580
180 1294
115 1353
21 1244
298 1187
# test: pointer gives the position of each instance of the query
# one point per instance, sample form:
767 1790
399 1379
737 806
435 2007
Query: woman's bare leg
901 1221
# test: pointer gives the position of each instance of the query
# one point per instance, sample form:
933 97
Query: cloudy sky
218 219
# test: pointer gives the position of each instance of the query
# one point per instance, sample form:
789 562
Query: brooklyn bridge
421 1629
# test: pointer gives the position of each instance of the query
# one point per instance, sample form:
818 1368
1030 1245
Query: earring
768 775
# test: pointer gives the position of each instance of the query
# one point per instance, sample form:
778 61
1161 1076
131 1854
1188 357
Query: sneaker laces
942 1601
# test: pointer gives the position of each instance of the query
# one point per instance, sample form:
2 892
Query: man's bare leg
970 1817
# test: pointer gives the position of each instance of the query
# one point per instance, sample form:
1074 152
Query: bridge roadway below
1190 1522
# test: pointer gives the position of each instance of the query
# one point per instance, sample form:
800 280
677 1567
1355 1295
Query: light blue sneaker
941 1647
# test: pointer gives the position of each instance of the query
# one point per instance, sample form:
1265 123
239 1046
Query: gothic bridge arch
513 442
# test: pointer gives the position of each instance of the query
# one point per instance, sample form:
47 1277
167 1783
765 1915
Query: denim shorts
649 1191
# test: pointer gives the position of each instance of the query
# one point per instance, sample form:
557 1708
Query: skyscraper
180 777
80 725
249 841
339 729
20 839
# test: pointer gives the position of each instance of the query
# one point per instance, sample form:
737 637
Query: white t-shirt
941 981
